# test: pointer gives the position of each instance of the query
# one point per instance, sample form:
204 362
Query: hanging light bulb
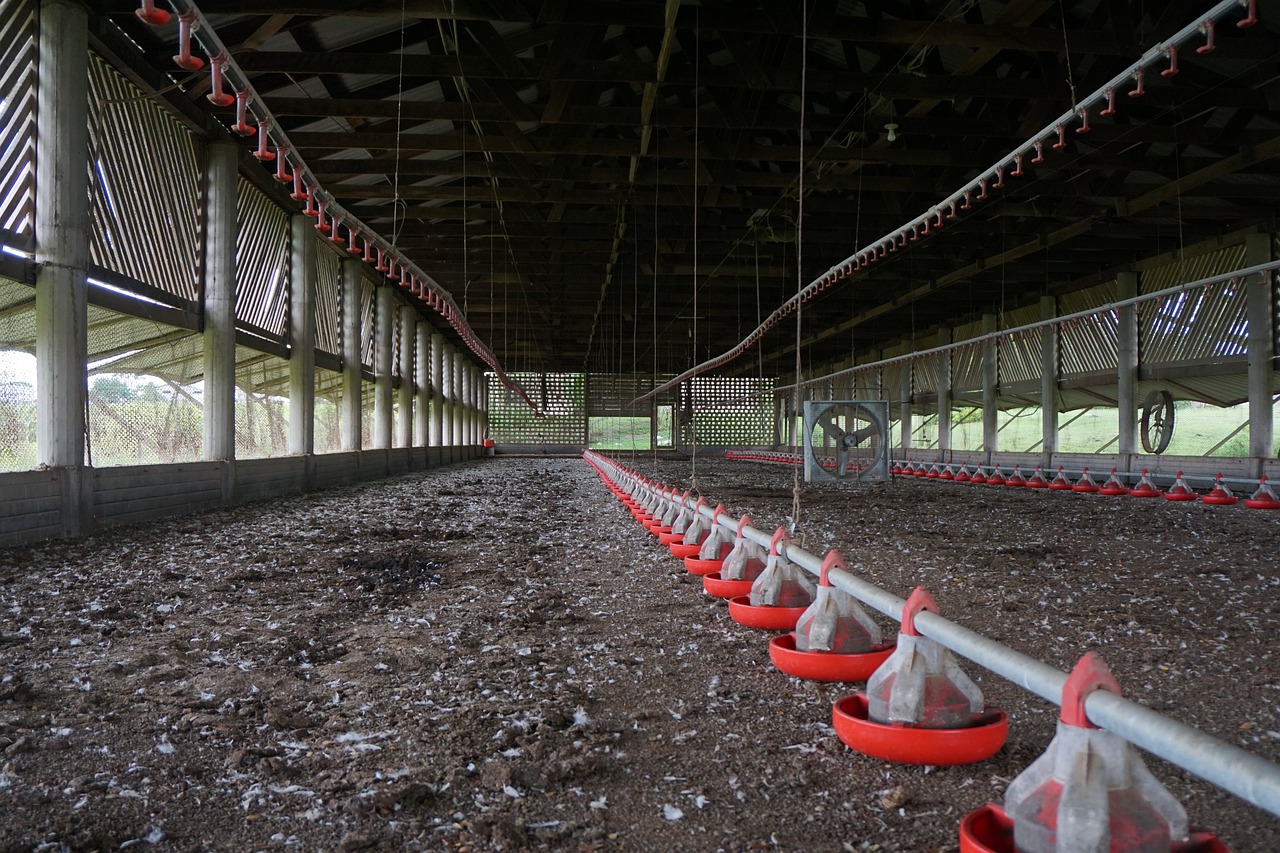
892 128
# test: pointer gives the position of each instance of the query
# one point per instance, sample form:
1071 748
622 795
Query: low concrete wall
70 502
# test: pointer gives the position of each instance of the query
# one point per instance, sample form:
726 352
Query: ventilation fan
1157 421
845 438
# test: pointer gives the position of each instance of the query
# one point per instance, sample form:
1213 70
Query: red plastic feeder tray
1264 497
669 538
963 476
921 470
978 476
1060 483
1086 484
703 567
1220 496
990 830
679 550
1145 488
1113 487
721 588
1037 480
995 479
914 745
1016 478
766 617
825 666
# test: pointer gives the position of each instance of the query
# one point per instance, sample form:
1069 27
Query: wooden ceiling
572 170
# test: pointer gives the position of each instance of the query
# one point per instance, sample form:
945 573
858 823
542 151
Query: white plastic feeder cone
835 622
698 528
718 541
672 510
921 684
782 583
680 523
746 561
1090 792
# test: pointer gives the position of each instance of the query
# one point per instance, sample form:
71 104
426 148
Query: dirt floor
495 656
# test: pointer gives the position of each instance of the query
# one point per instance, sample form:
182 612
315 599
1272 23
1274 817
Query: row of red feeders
1090 792
920 707
834 638
778 597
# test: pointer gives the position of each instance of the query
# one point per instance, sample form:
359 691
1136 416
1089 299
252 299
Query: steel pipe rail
962 198
1247 776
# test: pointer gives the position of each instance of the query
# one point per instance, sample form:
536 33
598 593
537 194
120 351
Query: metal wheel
1157 421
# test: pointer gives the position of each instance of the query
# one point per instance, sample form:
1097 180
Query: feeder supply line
1049 473
962 198
1247 776
414 280
1211 281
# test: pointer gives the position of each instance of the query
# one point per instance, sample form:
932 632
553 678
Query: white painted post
383 343
352 381
944 398
1048 382
408 342
221 231
990 389
1127 370
436 437
1259 297
62 234
447 393
422 386
302 334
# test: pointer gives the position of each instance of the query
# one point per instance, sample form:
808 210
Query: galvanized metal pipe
1253 779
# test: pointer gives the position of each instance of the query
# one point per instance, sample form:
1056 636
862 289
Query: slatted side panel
328 300
1088 345
1019 358
367 311
143 187
966 368
927 373
261 258
1194 325
18 119
733 411
560 395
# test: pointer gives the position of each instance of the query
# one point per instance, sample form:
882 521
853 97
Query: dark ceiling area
616 186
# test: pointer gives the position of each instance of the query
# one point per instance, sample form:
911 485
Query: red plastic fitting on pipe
262 154
968 204
952 213
218 97
1110 109
999 184
281 161
351 241
1251 17
321 225
1039 158
242 127
367 258
184 58
298 194
1172 52
1084 116
982 196
153 16
335 235
1017 166
1062 138
1140 76
1207 29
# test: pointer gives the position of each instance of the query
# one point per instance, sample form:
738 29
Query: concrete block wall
71 502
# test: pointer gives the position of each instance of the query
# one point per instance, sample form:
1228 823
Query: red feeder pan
721 588
1016 478
679 550
1086 484
978 477
669 538
933 473
921 470
764 616
1220 496
896 469
962 476
913 745
1264 497
825 666
996 478
703 567
947 473
1113 486
1145 488
1037 480
990 830
1180 491
1060 483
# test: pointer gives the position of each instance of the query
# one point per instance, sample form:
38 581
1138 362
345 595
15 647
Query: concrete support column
459 402
1259 297
779 406
352 383
62 235
435 438
464 409
1127 370
474 397
446 393
422 386
990 389
302 334
383 343
220 303
1048 381
408 385
586 410
944 399
905 420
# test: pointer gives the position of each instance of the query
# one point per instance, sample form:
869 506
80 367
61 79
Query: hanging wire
796 486
693 400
